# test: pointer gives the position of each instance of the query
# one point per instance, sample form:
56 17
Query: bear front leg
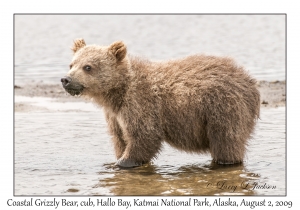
117 135
137 154
119 146
141 148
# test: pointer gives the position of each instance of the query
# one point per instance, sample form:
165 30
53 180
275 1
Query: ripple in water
70 153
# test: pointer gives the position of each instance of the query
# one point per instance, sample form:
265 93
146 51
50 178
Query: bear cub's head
96 69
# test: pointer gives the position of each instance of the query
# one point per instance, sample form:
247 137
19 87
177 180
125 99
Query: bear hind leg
225 147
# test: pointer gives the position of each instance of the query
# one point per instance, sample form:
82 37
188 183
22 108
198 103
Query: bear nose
65 81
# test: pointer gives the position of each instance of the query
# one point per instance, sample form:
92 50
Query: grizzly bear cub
196 104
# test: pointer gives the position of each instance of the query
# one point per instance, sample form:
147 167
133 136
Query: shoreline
273 94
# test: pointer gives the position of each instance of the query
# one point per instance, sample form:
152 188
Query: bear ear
118 49
78 43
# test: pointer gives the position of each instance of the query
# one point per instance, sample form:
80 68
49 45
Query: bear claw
226 162
127 163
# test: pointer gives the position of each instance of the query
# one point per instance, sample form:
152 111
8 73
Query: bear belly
182 135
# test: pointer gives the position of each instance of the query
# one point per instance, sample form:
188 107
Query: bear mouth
74 92
71 86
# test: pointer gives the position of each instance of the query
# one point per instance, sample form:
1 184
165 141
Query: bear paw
227 162
127 163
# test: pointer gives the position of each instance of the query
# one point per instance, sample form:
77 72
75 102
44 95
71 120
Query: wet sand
273 94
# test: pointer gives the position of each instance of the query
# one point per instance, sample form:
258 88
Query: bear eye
87 68
71 65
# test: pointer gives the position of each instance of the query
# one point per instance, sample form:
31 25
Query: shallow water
61 152
42 42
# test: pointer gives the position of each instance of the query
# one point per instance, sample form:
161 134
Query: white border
156 6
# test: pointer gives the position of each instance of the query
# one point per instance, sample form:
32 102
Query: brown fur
196 104
78 43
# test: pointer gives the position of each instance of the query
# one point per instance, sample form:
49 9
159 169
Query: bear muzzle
71 86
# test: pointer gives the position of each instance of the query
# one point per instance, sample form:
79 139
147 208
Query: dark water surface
43 42
70 153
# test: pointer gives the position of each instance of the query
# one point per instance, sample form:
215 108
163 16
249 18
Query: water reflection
207 179
69 153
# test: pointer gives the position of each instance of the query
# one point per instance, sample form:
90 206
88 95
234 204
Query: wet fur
196 104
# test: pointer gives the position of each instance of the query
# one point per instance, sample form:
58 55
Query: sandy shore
273 94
